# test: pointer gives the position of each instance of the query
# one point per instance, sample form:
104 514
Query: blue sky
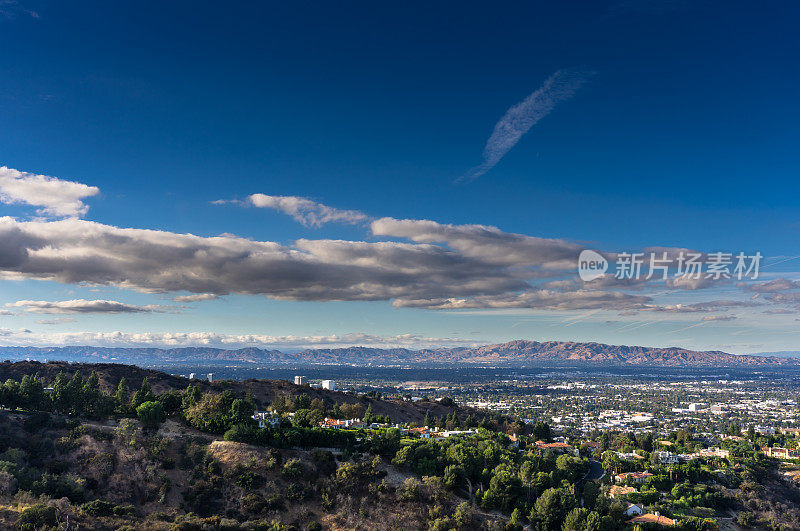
666 124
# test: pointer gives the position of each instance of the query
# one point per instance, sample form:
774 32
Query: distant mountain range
519 353
780 354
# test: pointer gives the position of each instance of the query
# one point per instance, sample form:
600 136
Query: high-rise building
191 376
211 377
299 380
329 385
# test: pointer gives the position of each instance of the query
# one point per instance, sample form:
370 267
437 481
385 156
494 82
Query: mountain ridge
516 353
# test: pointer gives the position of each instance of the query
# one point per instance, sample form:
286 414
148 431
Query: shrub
293 469
98 508
151 414
248 480
124 510
410 490
36 517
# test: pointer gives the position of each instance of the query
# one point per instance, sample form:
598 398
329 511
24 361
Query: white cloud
521 117
719 318
55 197
10 337
305 211
485 243
772 286
82 306
56 321
196 297
74 251
535 299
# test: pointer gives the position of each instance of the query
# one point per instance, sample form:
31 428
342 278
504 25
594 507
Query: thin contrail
521 117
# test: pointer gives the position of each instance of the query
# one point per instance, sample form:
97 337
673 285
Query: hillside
519 353
263 391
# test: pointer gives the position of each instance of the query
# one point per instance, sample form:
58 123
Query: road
595 472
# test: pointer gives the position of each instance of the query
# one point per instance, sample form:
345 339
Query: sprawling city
522 266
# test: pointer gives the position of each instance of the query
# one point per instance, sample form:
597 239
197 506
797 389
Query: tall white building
191 376
299 380
329 385
211 377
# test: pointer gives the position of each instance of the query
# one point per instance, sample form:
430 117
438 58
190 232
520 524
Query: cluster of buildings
330 385
668 458
209 376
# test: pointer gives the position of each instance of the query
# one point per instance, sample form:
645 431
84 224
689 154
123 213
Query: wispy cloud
56 321
11 8
83 306
719 318
303 210
521 117
195 297
55 197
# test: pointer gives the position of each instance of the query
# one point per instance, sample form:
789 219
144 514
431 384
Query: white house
666 458
634 509
266 419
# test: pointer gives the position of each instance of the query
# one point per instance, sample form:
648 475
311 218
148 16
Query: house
458 433
714 452
636 477
629 456
764 430
557 447
266 419
425 432
652 518
777 452
795 432
634 509
619 491
666 458
338 424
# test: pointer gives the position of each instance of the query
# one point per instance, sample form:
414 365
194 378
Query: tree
505 489
90 394
369 415
551 508
122 397
171 401
541 431
575 519
191 396
60 395
591 490
31 392
241 411
144 394
151 414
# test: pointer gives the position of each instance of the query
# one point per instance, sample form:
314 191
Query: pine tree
144 394
369 415
122 397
